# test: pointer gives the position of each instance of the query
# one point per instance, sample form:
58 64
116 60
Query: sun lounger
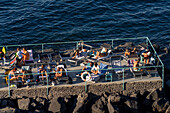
117 64
93 59
82 56
140 72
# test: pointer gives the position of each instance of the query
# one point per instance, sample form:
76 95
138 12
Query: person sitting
12 75
134 50
43 71
76 54
19 57
88 68
59 72
2 56
146 55
26 55
95 69
136 64
101 54
22 75
127 53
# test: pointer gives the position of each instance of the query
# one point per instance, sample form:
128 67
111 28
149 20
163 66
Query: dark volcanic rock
154 95
132 106
11 103
160 105
157 47
24 104
100 106
114 98
41 102
39 111
57 105
82 101
4 103
168 110
112 108
9 110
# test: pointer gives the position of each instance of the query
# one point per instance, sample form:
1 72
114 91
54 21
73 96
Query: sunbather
26 55
19 57
134 50
127 53
12 75
43 71
76 54
23 76
87 67
2 55
146 55
102 53
59 72
136 64
95 69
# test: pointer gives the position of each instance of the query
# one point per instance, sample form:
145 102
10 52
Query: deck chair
102 69
135 73
92 59
82 56
117 64
84 46
44 76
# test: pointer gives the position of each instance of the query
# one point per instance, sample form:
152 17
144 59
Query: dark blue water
33 21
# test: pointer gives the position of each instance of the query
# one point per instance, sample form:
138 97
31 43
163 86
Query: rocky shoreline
136 102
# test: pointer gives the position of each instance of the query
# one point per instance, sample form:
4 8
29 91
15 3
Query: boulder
33 104
57 105
132 106
81 104
114 98
168 83
157 47
24 104
4 103
41 102
99 106
154 95
168 110
160 105
39 111
9 110
11 103
112 108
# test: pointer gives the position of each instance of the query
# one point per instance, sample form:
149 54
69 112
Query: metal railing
147 41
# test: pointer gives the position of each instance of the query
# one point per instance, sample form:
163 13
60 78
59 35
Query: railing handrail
52 43
142 67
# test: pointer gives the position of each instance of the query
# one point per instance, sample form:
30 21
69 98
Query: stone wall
97 88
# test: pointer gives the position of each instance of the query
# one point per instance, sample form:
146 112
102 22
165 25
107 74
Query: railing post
47 85
112 44
42 48
6 50
147 43
123 79
154 57
9 86
85 87
77 46
162 76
